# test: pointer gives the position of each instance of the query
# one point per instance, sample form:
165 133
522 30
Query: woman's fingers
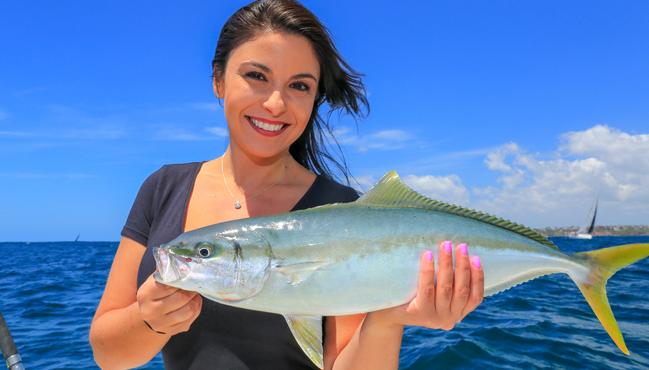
445 293
152 290
462 281
161 291
182 314
477 285
176 300
184 325
426 288
165 308
444 288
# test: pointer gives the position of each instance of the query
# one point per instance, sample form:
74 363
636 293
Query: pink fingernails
475 261
428 255
448 246
463 249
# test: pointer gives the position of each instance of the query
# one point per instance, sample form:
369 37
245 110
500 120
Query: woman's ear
218 89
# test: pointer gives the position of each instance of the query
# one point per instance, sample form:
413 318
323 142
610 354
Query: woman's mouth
266 128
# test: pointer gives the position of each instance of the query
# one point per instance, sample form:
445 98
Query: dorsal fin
392 192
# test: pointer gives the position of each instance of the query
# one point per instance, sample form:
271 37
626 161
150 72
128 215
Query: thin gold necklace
237 203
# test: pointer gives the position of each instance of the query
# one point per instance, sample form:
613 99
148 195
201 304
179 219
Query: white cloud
617 147
208 106
449 188
558 188
71 123
46 176
496 158
181 134
363 183
391 135
600 161
94 133
177 134
15 134
218 131
379 140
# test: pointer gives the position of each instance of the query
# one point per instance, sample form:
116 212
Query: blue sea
49 291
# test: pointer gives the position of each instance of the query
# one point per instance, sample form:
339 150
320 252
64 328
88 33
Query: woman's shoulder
331 191
178 169
174 171
170 176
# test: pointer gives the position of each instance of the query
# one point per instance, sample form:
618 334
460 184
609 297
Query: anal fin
307 331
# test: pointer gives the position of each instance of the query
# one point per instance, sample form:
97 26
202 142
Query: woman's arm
118 335
376 342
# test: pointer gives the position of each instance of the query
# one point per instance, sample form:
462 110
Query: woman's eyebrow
267 69
305 75
259 65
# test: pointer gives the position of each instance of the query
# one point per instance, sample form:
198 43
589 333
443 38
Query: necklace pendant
237 204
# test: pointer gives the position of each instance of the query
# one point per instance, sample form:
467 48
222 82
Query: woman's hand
166 309
457 292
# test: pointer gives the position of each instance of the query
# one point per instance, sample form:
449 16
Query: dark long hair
340 86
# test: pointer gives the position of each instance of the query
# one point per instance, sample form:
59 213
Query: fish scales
369 256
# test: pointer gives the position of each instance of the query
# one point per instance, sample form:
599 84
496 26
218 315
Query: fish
363 256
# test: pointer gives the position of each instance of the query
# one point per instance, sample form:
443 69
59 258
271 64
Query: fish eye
204 249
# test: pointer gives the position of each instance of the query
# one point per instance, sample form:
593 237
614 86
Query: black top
222 337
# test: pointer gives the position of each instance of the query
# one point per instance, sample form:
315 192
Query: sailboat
586 232
77 238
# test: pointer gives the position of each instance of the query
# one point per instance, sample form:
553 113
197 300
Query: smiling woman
318 71
274 66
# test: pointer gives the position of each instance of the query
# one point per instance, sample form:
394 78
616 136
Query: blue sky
524 109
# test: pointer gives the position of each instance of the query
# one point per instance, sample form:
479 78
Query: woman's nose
275 103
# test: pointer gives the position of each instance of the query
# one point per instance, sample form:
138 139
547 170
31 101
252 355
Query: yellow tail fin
605 263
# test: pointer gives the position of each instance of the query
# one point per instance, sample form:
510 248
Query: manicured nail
428 255
475 261
448 246
463 249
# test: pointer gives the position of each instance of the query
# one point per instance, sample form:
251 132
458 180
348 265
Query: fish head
220 267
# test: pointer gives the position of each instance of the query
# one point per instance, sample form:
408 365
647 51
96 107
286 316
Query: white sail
586 231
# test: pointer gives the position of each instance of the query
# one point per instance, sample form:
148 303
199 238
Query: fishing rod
8 347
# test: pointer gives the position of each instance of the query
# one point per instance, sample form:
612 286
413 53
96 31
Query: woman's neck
249 173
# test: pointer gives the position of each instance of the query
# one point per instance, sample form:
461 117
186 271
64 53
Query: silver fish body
347 259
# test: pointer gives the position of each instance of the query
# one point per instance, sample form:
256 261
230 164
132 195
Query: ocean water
49 292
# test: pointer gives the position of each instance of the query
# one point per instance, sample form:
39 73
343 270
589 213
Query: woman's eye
301 86
256 75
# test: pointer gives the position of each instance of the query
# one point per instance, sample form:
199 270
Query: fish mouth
170 267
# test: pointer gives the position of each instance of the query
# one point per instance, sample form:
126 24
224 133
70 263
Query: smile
266 128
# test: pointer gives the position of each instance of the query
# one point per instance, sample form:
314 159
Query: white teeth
266 126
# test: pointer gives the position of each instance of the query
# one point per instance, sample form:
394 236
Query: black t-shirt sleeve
330 191
140 218
350 195
326 191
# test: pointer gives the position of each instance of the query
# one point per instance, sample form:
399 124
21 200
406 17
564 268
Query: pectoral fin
298 272
307 331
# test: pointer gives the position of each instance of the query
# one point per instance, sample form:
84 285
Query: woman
274 66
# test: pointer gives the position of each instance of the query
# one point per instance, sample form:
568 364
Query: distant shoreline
615 230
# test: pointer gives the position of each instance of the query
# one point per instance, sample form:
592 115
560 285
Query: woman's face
268 89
